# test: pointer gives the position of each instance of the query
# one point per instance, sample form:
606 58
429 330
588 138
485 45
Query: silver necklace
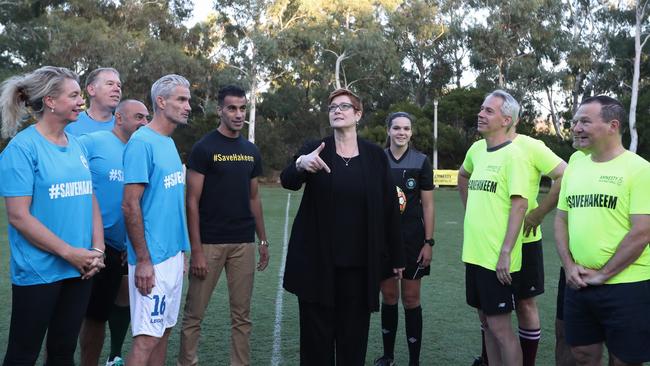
346 161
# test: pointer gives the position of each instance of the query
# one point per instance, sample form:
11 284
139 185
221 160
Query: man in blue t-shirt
104 90
224 212
105 149
154 215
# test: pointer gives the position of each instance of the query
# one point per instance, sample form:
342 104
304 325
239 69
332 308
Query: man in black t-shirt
224 211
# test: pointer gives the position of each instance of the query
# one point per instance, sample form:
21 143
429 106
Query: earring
52 110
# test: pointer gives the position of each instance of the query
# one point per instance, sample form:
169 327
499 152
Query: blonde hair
24 94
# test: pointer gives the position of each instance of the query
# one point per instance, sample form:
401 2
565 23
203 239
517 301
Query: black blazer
309 271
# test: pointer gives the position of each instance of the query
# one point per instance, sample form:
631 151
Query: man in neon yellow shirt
494 192
541 161
602 230
563 356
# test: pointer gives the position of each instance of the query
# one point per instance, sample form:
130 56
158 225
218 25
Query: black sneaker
384 361
478 361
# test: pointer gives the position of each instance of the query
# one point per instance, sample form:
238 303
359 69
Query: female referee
413 175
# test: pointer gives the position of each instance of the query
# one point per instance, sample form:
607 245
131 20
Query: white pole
435 134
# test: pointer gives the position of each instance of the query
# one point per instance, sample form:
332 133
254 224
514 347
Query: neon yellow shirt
496 176
541 161
599 199
576 155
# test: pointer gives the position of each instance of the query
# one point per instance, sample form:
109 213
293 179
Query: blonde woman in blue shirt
55 228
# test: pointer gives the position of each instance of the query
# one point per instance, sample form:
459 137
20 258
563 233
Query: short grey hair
510 106
93 75
164 86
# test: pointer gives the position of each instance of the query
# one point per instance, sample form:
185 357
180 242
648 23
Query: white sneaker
117 361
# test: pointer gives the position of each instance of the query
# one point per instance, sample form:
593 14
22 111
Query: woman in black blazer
347 229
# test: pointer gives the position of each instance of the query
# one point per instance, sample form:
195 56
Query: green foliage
562 148
642 122
516 37
399 54
287 124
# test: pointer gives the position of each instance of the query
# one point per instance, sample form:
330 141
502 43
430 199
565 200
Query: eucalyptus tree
511 35
252 44
418 30
641 36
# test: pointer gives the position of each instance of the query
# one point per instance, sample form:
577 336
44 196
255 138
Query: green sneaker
117 361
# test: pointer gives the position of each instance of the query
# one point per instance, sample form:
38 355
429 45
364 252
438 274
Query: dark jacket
309 271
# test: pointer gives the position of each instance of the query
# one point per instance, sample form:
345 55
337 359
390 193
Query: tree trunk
253 104
337 70
502 78
421 91
253 100
458 66
638 46
576 92
556 121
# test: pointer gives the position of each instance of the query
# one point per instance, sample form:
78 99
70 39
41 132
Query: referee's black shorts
413 237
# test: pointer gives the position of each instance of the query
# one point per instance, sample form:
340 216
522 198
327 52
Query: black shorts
106 284
559 305
531 281
617 314
484 291
413 271
413 237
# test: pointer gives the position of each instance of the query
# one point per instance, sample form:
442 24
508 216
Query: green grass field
451 328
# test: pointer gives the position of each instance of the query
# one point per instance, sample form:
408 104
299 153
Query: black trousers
56 308
337 335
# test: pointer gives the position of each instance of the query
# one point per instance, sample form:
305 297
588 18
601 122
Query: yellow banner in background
445 177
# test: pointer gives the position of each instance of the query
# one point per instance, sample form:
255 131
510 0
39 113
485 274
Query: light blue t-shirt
84 124
152 159
59 182
105 152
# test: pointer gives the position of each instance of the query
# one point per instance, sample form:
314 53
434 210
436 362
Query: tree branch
350 84
240 69
645 40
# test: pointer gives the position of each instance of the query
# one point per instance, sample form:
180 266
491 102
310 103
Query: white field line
276 359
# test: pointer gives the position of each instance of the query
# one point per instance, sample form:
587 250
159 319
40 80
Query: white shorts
152 314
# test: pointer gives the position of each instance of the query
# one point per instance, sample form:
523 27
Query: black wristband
431 242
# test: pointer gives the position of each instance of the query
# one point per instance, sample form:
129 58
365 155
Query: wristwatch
431 242
264 243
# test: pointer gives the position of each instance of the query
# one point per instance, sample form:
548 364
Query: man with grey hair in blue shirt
154 214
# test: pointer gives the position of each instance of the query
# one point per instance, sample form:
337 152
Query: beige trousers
239 263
